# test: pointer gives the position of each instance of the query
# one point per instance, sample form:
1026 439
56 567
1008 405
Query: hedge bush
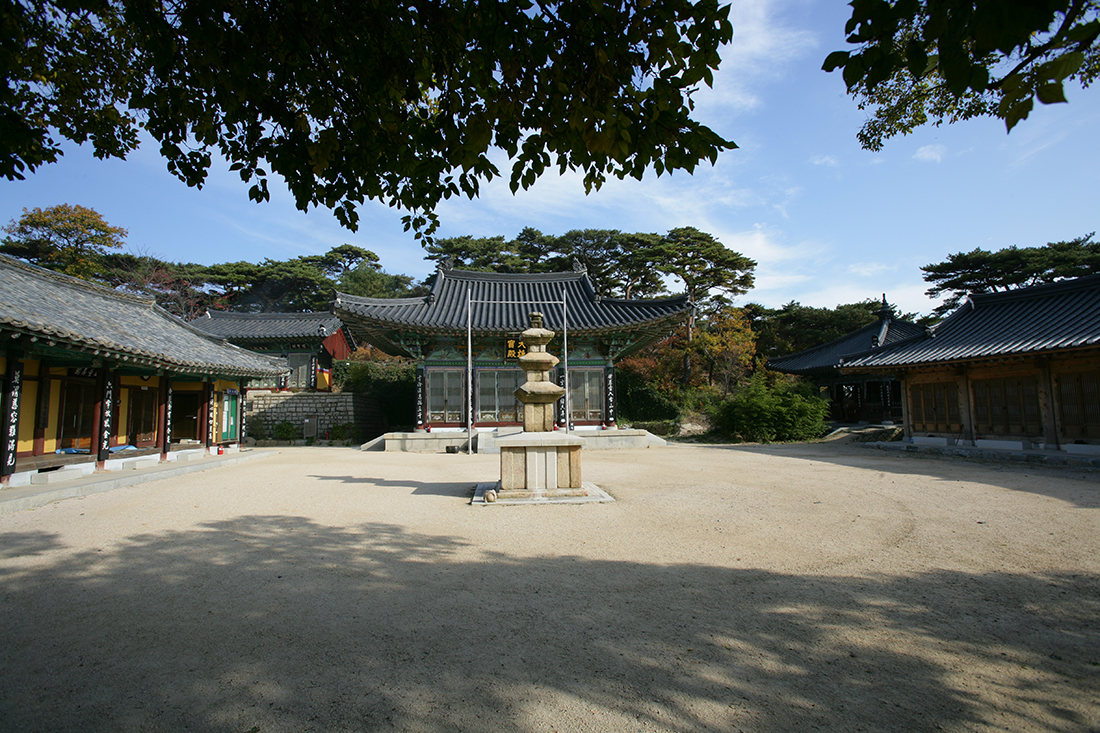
762 414
638 401
392 383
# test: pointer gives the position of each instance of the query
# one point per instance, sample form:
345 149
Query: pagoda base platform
538 463
487 494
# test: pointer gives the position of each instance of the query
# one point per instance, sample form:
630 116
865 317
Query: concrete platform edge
34 496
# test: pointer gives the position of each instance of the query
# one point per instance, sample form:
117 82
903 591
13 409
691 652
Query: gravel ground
757 588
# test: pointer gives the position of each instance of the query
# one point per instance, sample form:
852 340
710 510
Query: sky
826 221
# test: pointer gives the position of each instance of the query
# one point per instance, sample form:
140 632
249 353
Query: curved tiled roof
828 356
502 303
267 326
79 314
1043 318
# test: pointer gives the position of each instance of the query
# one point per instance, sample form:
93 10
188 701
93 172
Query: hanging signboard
420 397
514 348
106 412
609 395
168 417
10 418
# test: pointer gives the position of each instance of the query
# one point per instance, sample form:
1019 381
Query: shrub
285 430
257 428
763 414
392 383
638 400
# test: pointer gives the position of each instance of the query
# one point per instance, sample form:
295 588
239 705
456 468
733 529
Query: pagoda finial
885 312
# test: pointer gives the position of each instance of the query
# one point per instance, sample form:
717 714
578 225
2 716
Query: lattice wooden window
586 394
1007 406
496 401
445 388
935 407
1079 404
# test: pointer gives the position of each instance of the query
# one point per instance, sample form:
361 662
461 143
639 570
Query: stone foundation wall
313 414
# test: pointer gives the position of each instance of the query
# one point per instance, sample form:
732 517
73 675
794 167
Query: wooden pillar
966 404
9 422
906 408
1047 411
42 408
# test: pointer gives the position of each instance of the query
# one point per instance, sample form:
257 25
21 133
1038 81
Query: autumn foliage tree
72 239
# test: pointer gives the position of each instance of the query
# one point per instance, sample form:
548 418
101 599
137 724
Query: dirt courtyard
754 588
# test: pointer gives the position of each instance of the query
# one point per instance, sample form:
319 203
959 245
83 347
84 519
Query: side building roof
68 313
826 358
502 303
1040 319
268 326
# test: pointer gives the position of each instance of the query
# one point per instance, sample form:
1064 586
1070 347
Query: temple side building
1014 369
474 320
309 342
89 372
854 397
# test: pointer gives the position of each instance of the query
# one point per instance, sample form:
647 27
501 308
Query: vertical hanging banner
168 418
313 372
420 397
211 408
563 419
241 413
609 395
106 413
10 418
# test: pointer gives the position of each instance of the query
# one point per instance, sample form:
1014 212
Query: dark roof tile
502 303
828 356
267 326
80 313
1042 318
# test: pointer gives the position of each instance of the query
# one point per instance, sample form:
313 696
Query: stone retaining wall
313 414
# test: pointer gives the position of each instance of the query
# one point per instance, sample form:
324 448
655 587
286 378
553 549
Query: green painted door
229 417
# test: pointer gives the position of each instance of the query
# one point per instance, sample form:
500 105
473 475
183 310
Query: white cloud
762 51
870 269
828 160
931 153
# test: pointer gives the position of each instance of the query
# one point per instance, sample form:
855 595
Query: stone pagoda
539 463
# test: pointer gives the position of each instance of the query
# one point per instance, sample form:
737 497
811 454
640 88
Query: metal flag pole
469 375
565 356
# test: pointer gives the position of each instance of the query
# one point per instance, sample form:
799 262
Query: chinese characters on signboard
11 417
514 348
105 412
168 417
609 395
419 398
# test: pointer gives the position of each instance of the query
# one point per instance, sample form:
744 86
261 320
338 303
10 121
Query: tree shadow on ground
281 624
433 488
1014 475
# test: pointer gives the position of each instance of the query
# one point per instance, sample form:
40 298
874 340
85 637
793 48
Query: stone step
54 477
